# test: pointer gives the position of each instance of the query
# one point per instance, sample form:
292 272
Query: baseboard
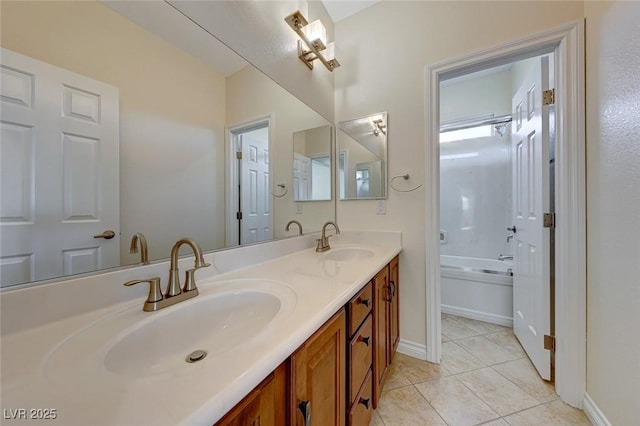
593 413
412 349
477 315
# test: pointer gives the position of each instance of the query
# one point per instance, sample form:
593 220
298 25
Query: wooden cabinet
360 357
264 406
385 324
318 376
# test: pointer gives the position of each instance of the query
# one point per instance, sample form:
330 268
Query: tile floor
484 378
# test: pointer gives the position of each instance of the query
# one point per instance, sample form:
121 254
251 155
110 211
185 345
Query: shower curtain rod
474 122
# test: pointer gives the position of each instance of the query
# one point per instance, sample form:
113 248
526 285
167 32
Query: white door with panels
59 172
255 185
531 267
301 177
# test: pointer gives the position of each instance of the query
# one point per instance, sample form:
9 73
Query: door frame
567 42
232 237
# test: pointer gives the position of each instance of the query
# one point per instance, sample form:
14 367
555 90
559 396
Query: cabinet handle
392 285
365 402
364 340
364 302
388 290
305 408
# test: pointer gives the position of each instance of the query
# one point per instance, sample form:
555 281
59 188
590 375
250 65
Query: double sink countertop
120 365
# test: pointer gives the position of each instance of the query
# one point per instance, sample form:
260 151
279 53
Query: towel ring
404 177
281 186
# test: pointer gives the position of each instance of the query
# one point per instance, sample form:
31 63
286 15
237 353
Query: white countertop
202 393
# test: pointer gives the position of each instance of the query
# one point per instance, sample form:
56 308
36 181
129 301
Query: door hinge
549 97
550 343
239 215
239 155
549 220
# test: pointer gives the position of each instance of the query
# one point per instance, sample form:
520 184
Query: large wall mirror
128 117
362 157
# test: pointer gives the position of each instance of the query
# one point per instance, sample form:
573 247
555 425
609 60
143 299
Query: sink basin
344 254
135 344
213 325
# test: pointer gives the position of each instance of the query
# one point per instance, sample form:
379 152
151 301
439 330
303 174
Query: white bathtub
480 289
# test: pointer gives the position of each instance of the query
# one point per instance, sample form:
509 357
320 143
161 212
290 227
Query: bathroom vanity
331 376
289 333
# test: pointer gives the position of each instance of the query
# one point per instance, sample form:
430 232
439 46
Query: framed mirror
145 103
362 157
312 164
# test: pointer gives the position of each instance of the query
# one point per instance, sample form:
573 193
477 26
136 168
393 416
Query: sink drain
196 356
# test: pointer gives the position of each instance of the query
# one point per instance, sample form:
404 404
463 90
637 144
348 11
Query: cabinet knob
364 340
305 408
392 286
365 302
365 402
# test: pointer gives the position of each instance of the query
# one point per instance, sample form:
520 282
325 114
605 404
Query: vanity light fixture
380 127
313 44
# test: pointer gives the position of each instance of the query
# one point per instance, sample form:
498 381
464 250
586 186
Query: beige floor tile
486 350
395 377
499 422
552 413
498 392
525 376
418 371
376 420
457 360
454 329
405 406
480 326
455 403
508 341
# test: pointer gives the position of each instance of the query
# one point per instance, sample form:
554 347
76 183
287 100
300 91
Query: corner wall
613 208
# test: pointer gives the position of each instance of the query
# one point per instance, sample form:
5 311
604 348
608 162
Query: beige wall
386 73
251 95
172 116
613 208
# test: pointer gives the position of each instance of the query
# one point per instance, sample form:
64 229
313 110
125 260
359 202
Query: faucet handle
155 294
190 282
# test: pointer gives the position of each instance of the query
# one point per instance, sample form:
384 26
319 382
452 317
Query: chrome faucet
323 242
505 257
294 222
144 251
174 293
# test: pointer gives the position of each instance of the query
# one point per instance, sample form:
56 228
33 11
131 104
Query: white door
255 184
59 171
301 177
531 268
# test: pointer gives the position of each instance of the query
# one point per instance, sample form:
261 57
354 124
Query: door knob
512 229
107 235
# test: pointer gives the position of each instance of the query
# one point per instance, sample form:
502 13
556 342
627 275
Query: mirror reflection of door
312 164
254 214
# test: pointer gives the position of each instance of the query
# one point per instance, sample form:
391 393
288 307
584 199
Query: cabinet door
318 373
381 335
394 326
264 406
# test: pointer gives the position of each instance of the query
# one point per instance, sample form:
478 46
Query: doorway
495 167
567 44
249 211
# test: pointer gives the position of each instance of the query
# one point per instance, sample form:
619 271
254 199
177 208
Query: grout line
432 407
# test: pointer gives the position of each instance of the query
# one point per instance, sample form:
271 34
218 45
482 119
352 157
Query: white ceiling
340 9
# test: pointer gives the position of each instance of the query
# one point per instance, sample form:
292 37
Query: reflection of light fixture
314 36
380 127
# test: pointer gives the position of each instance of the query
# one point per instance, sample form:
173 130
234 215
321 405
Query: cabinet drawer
360 357
359 307
362 407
